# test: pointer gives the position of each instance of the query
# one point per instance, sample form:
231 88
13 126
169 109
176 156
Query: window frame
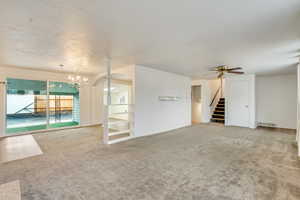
47 129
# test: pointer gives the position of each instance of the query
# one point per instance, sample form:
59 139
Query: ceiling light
106 89
77 80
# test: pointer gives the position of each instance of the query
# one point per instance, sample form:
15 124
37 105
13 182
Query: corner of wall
298 109
154 116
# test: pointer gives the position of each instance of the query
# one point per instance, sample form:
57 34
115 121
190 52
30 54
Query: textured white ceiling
186 37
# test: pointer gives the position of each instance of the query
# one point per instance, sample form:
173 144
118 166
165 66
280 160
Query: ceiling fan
221 70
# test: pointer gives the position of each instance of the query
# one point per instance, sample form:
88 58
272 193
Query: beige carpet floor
19 147
205 162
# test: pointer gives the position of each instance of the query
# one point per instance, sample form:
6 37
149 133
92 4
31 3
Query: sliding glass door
32 105
26 105
63 105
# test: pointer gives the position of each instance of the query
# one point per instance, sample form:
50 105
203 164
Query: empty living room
149 100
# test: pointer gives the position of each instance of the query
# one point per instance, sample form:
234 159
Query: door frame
251 97
192 106
3 131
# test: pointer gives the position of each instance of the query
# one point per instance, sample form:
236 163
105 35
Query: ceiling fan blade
236 72
235 68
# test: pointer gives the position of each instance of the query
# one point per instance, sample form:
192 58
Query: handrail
213 100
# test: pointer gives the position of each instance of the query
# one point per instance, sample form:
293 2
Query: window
29 107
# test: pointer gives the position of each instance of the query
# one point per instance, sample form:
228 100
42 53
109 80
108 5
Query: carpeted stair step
218 120
220 116
220 109
219 112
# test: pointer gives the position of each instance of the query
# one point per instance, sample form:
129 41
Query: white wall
251 99
298 109
153 116
214 85
87 97
97 103
2 106
276 100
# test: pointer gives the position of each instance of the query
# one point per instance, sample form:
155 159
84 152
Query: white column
108 81
108 103
2 106
298 109
47 106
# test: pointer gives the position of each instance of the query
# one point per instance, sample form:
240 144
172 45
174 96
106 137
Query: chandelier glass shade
78 80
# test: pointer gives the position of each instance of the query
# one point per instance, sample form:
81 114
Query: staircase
219 113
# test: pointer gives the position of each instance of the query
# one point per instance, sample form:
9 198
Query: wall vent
263 124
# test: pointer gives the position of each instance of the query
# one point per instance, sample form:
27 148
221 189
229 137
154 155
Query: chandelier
78 80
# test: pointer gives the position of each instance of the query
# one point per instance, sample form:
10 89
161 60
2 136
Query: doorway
118 105
196 104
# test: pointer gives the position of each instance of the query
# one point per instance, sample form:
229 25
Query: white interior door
238 103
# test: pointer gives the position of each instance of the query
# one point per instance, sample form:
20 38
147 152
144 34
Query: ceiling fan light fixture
222 69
